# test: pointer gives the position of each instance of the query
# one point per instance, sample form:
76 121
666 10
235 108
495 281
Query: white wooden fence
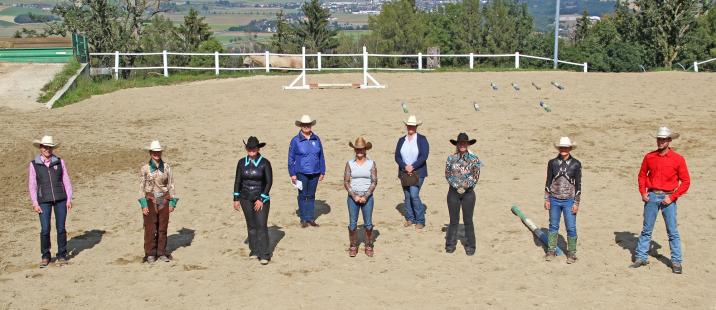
696 64
166 66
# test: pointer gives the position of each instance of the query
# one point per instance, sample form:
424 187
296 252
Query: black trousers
466 202
257 226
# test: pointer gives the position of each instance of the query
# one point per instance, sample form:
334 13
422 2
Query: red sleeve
683 174
642 176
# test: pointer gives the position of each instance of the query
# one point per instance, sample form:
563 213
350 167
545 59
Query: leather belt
660 192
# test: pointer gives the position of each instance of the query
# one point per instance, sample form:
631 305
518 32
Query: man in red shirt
663 178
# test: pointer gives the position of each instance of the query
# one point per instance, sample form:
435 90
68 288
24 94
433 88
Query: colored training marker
556 84
545 106
515 87
541 236
493 85
476 106
404 106
537 87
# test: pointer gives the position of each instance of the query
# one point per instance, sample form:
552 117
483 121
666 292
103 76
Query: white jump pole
586 66
365 66
303 64
517 60
216 63
116 65
166 63
472 60
319 61
696 66
420 61
267 61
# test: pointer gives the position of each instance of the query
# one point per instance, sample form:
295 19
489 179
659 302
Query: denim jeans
456 202
60 208
367 210
257 227
651 210
414 208
307 196
560 207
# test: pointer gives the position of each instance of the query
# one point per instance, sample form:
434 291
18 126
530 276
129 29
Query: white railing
165 66
696 64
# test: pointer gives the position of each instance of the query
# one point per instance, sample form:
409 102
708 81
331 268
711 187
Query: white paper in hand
298 185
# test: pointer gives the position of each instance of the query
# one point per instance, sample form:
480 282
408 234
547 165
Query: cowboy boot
353 238
571 250
551 246
369 242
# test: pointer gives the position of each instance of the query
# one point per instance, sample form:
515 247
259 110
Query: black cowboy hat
462 137
254 143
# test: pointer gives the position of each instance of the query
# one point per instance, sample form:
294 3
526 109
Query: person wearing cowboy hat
562 194
157 199
254 177
307 165
411 155
50 191
462 171
360 178
663 178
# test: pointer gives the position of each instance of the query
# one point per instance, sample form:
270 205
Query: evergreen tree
194 30
314 31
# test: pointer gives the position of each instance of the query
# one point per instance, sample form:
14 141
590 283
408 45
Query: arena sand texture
611 116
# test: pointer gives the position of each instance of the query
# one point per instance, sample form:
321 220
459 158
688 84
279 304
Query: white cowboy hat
412 121
305 119
46 140
665 132
565 142
154 146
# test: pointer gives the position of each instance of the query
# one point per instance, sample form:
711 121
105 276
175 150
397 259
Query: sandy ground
21 84
611 116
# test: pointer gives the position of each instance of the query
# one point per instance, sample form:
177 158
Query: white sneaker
264 261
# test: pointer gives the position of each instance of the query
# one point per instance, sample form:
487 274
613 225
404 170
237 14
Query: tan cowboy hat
47 141
665 132
565 142
155 146
305 119
413 121
361 144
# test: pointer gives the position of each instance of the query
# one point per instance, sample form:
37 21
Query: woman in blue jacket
411 155
307 165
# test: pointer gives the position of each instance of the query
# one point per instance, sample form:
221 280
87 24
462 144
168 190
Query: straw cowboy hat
46 141
254 143
155 146
305 119
565 142
462 137
665 132
361 144
412 121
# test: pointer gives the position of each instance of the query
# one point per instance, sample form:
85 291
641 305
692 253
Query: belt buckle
158 194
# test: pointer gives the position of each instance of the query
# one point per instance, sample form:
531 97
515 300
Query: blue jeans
414 208
559 207
651 210
367 210
307 196
60 208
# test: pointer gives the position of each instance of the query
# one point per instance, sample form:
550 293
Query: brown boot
353 238
369 242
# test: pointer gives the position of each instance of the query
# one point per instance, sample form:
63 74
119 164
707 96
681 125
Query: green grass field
15 11
6 24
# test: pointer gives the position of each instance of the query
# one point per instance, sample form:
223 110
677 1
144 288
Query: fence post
303 64
365 66
517 60
472 60
166 63
216 62
585 67
319 61
420 61
116 65
267 61
696 66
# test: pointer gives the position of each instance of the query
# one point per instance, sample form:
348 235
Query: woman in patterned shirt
462 171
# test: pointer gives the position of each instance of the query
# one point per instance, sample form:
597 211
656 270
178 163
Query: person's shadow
182 238
460 233
629 240
361 234
401 209
275 235
85 241
322 208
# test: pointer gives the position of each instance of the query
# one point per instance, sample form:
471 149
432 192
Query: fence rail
217 68
696 64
